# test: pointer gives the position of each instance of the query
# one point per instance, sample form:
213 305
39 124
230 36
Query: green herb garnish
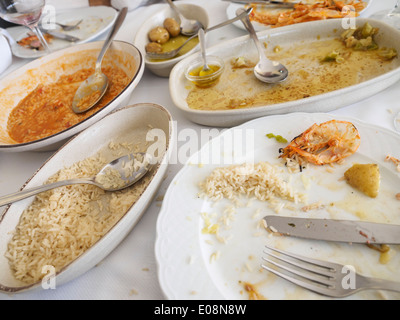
278 137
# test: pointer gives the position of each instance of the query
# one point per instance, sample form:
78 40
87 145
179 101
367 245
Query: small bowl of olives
161 33
194 71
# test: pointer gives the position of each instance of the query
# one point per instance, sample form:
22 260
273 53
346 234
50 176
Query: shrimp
321 10
325 143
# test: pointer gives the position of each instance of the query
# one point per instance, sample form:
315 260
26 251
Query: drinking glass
25 12
391 17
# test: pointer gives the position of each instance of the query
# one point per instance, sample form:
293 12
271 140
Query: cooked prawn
325 143
327 9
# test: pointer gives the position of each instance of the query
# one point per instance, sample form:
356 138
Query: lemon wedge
365 178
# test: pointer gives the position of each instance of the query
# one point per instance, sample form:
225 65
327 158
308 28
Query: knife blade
60 35
266 2
335 230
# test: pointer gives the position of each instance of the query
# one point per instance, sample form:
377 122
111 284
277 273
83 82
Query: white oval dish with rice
71 229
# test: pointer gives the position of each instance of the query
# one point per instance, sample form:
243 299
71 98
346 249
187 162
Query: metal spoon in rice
116 175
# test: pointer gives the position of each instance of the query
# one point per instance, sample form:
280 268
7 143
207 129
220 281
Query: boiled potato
172 26
365 178
159 35
154 47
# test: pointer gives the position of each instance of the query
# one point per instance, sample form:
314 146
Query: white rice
262 181
63 223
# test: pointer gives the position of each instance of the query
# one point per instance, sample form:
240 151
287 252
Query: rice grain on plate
262 181
63 223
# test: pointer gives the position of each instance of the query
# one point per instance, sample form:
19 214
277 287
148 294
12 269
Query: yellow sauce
176 42
205 77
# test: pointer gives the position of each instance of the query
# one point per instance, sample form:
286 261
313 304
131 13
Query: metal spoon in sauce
116 175
266 70
93 88
189 27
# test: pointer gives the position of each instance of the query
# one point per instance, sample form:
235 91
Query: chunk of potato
365 178
159 35
154 47
172 26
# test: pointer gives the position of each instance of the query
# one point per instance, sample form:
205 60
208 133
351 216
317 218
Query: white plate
127 125
285 36
96 21
231 13
184 254
15 86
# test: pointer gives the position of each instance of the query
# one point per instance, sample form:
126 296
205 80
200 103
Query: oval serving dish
283 37
17 85
128 125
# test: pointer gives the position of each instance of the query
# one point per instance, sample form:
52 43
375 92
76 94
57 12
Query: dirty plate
289 41
213 249
96 21
14 87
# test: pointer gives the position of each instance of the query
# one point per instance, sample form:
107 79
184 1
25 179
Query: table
130 271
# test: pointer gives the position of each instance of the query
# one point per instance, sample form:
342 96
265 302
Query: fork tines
309 273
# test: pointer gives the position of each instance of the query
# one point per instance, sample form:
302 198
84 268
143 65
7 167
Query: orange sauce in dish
47 109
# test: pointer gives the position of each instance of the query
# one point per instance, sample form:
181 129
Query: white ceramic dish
196 265
130 124
191 11
179 85
231 12
16 85
96 21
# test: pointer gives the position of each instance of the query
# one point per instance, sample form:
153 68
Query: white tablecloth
130 271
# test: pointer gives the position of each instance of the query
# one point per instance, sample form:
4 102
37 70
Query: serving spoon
67 27
93 88
266 70
189 27
173 53
116 175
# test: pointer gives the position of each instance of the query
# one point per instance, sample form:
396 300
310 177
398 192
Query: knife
335 230
60 35
266 2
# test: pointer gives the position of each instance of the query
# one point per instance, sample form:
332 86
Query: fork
66 27
326 278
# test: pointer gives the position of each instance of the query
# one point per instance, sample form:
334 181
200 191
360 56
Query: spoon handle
33 191
118 23
202 41
242 15
249 26
174 7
